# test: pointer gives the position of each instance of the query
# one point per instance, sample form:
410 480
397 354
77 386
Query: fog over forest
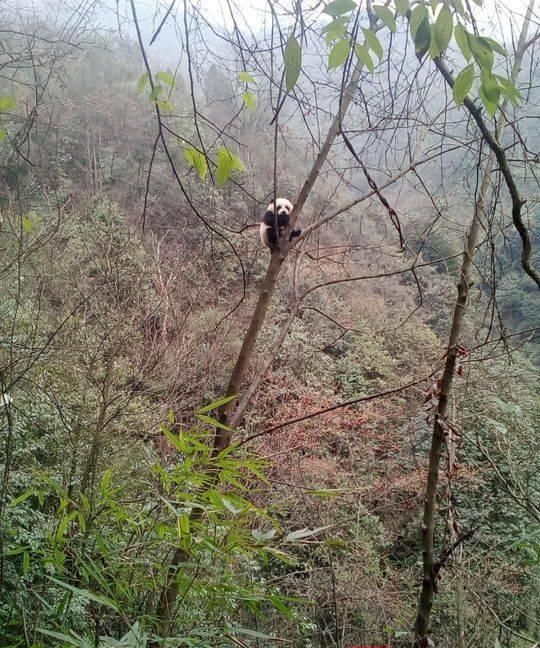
269 324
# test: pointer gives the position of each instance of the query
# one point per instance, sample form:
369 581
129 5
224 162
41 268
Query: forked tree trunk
439 426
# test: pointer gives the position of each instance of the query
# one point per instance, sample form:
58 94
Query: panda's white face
284 207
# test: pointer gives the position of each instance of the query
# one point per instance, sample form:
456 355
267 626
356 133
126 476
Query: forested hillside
209 443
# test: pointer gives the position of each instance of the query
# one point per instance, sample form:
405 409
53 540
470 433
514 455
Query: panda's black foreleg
273 237
294 234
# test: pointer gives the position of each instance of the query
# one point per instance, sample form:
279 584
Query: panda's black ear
268 218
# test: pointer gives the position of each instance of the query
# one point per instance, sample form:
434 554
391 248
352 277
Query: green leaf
402 6
434 50
362 52
339 7
103 600
458 6
3 134
197 160
249 100
215 404
16 551
293 62
509 90
481 51
304 533
336 29
246 77
27 224
81 521
60 636
22 498
496 47
422 38
213 422
106 482
386 16
338 54
463 42
419 13
166 77
490 92
490 105
263 536
373 42
327 492
227 163
280 606
7 103
463 84
165 105
154 95
444 26
26 562
251 633
64 524
142 82
183 524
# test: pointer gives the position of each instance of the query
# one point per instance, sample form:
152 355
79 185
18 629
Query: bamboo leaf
60 636
22 498
304 533
251 633
26 562
103 600
263 536
213 422
215 404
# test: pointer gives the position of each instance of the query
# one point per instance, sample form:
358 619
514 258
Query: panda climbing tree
274 223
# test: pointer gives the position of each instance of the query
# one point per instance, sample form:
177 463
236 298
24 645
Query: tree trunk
222 438
439 426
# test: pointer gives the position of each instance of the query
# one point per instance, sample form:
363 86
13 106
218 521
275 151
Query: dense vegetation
145 500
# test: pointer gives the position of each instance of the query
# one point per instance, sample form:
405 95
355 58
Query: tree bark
439 427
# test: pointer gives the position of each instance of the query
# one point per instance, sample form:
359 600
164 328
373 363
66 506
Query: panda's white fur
267 229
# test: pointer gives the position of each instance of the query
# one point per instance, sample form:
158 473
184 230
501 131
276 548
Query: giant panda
269 236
